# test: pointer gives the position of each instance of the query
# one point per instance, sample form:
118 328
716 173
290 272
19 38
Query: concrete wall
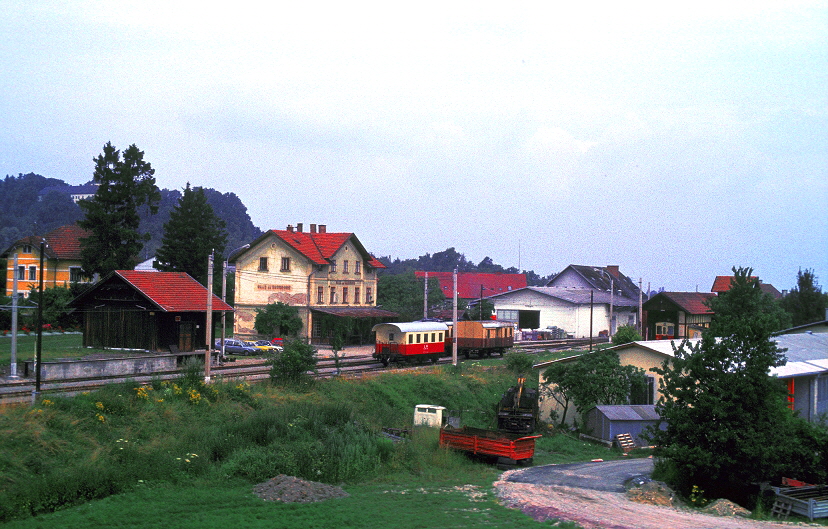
124 366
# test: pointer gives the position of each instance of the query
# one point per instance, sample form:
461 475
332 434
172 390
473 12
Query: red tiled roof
690 302
319 247
722 283
65 241
172 291
468 284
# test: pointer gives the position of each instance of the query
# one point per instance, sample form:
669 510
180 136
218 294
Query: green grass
53 346
181 454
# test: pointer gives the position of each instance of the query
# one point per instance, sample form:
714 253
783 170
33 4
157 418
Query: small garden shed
133 309
606 422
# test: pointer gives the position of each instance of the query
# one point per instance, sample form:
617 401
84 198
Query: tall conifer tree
192 232
112 216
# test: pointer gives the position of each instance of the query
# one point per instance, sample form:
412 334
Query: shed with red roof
152 311
669 315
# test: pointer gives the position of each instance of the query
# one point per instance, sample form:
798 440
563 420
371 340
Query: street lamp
612 297
480 303
224 293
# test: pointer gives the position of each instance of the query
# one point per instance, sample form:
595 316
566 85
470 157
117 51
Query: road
592 495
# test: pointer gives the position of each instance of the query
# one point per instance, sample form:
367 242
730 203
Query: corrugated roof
798 369
469 283
599 278
624 412
579 296
803 347
172 291
356 312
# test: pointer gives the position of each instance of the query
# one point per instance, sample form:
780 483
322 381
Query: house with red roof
676 315
152 311
722 284
325 275
61 260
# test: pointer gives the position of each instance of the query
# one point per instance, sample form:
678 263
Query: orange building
61 260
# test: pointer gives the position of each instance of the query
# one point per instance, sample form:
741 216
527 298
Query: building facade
61 260
324 275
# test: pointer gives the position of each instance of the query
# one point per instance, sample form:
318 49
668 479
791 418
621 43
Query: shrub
293 364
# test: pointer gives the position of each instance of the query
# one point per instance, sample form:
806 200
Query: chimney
613 269
290 227
299 227
323 228
313 228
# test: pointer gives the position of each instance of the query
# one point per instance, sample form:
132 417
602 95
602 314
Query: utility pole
591 294
425 298
209 323
13 371
454 322
640 308
39 347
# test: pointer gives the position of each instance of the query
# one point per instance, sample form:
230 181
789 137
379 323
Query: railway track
22 390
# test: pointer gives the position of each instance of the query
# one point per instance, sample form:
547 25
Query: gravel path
601 509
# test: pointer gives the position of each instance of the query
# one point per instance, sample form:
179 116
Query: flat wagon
509 449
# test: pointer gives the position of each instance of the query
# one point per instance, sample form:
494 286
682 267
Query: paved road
609 476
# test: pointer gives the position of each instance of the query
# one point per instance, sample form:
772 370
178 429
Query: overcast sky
675 140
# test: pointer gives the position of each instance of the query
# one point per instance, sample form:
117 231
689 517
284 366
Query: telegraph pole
425 298
13 371
208 330
39 347
454 323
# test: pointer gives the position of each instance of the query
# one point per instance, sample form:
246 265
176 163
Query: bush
625 334
295 363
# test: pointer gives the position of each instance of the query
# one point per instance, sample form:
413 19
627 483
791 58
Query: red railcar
508 448
409 341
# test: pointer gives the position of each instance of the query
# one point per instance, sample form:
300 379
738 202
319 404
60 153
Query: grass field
182 454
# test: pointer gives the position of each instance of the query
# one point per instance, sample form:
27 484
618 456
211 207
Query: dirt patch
289 489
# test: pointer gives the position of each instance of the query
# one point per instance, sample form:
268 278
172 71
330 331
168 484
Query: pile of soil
289 489
724 507
653 493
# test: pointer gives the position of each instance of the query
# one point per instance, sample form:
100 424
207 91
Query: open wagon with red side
509 449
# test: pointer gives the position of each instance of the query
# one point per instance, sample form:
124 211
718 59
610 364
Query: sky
676 140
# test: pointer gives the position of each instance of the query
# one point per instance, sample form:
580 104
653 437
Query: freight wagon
509 449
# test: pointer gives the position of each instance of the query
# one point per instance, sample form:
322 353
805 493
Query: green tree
190 236
519 362
806 302
727 424
403 294
625 334
592 379
111 216
278 319
293 364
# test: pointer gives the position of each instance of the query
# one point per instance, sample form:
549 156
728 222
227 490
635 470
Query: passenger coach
410 341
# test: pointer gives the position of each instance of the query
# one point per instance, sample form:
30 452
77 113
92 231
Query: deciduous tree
190 236
806 302
111 216
727 424
278 319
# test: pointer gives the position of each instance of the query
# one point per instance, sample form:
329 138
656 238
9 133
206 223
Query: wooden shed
152 311
606 422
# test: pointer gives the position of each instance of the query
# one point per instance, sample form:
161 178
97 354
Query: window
390 336
75 274
440 336
333 266
345 266
333 295
822 389
356 295
357 267
368 297
432 337
32 273
507 315
27 248
345 294
285 264
320 295
21 272
665 329
647 395
418 338
262 264
410 338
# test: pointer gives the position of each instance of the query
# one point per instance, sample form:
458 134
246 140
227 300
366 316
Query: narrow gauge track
20 391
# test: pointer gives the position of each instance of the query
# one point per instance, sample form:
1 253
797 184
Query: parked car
237 347
265 346
278 341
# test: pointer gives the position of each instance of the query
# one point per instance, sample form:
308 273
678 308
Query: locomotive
431 340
